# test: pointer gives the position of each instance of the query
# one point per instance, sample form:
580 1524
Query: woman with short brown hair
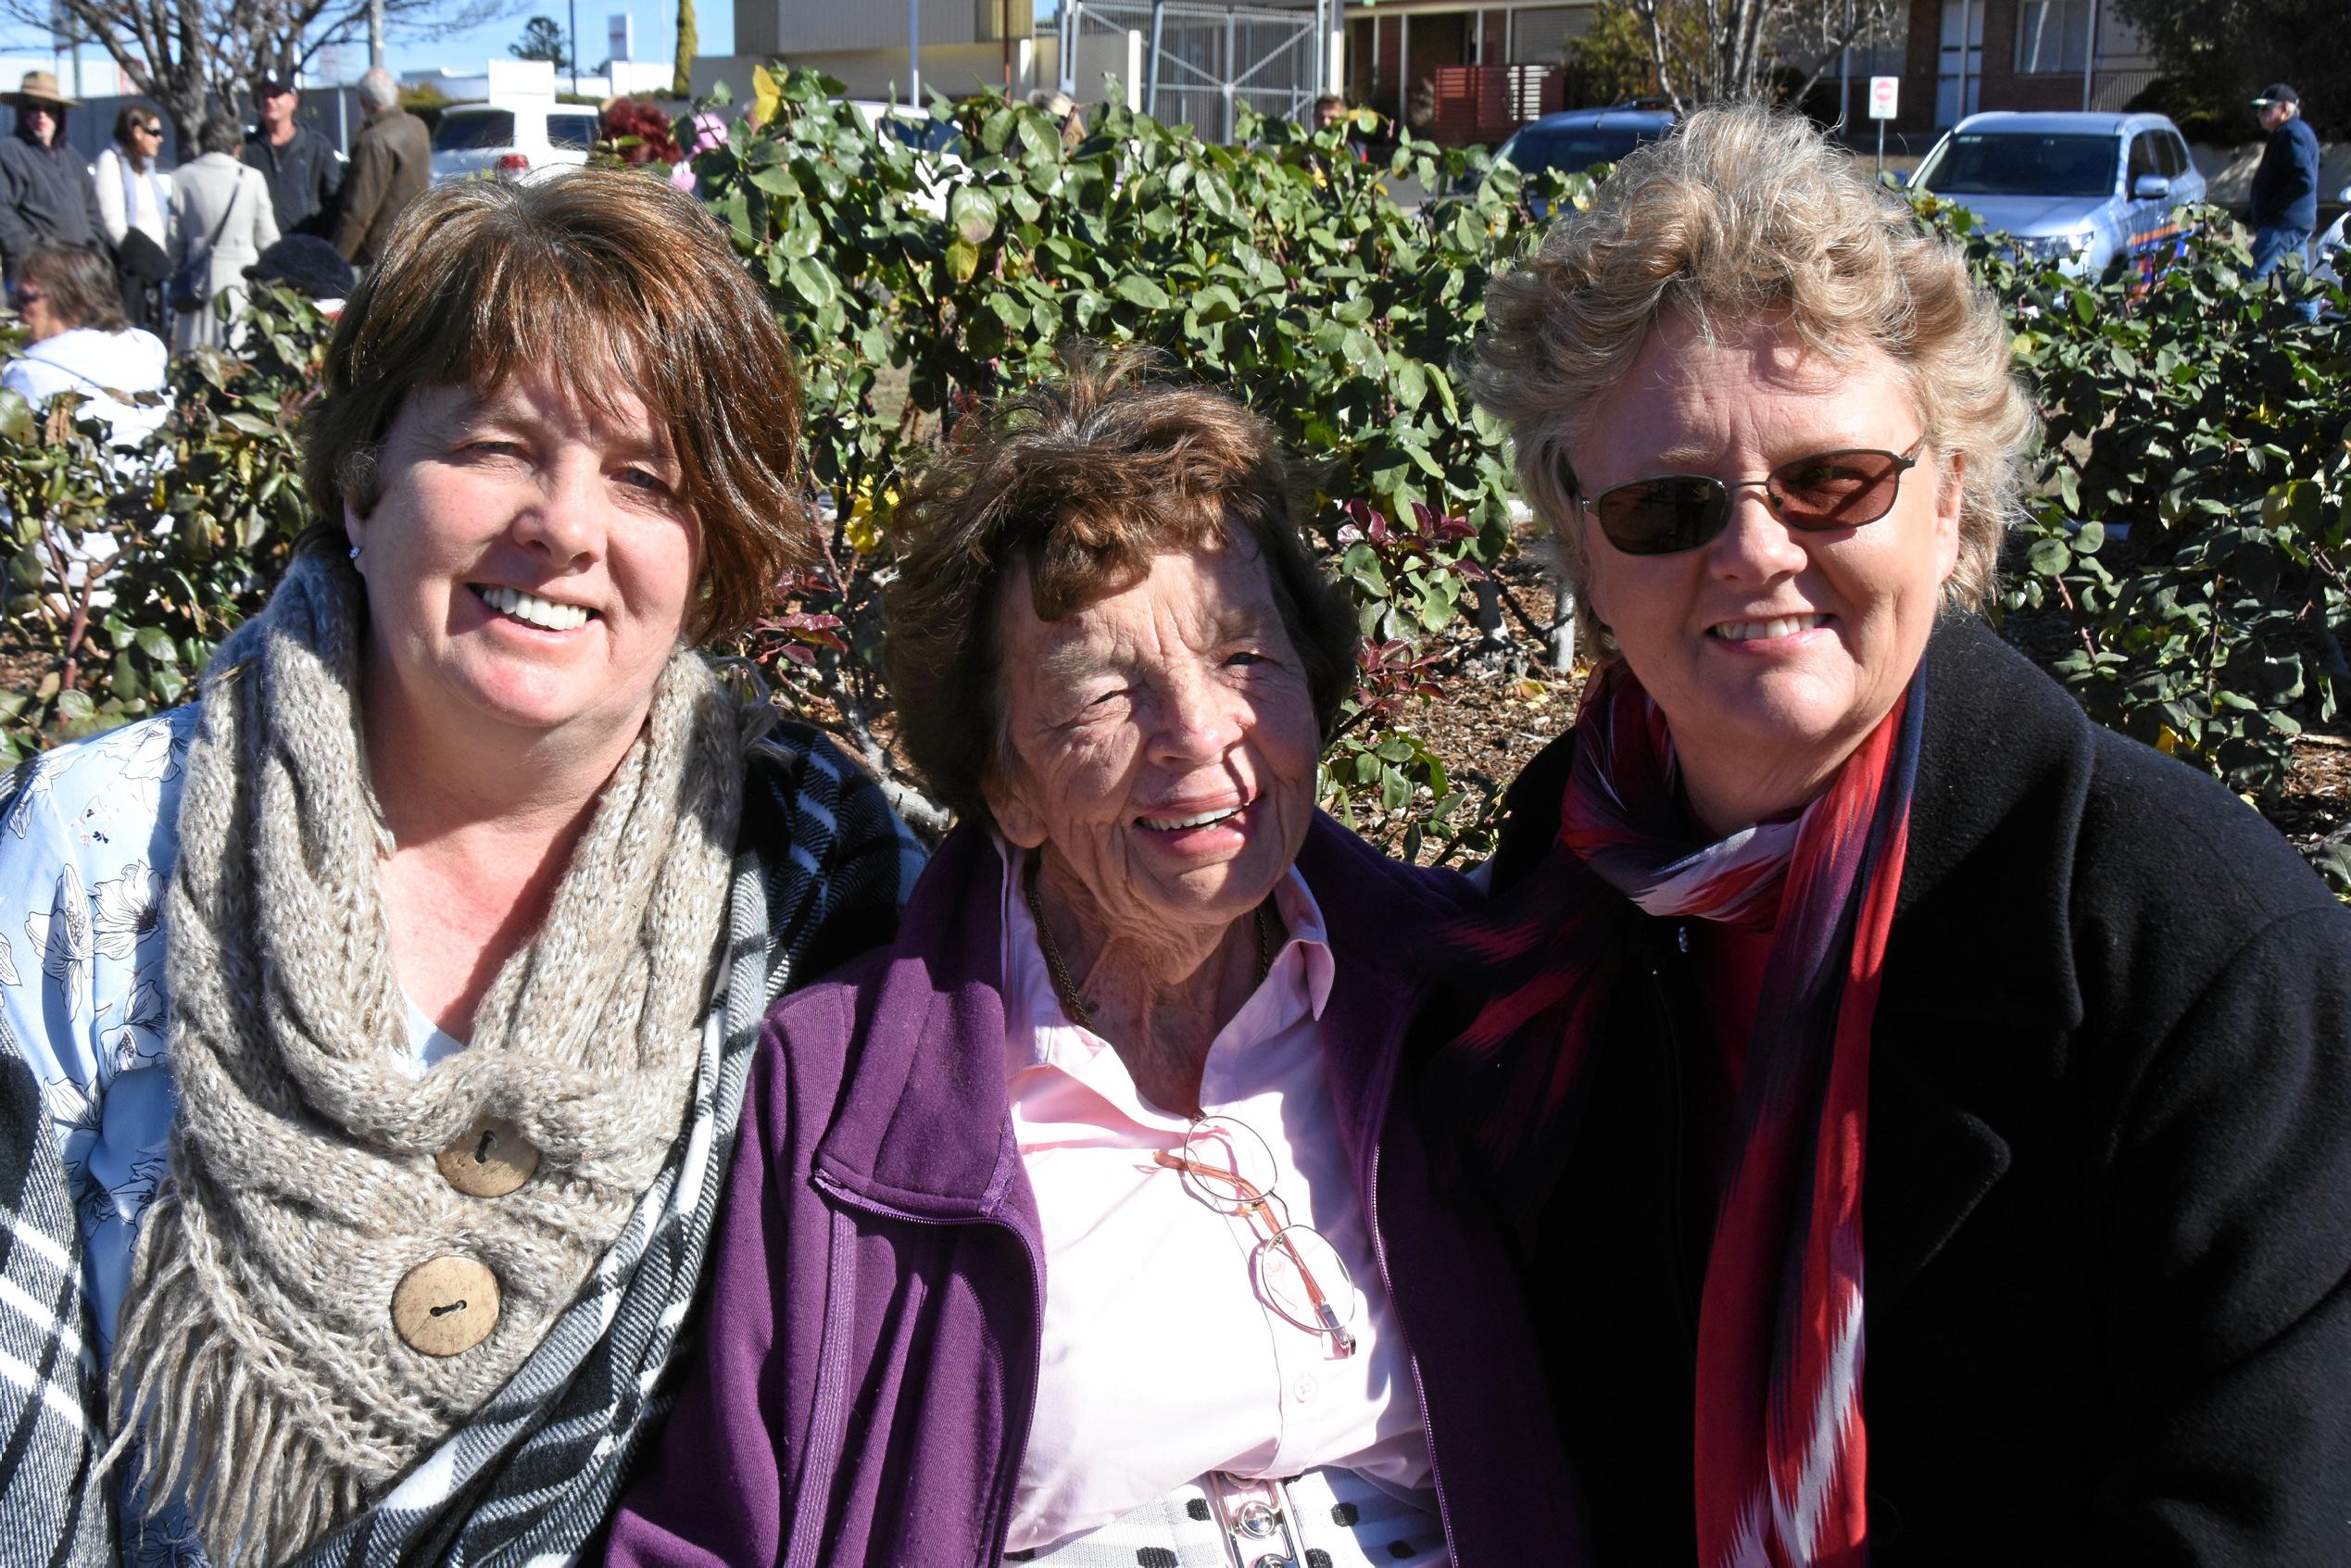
1083 1226
424 951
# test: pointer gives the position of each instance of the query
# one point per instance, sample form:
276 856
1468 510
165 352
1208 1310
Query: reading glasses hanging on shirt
1296 1271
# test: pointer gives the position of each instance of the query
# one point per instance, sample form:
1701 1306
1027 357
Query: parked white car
513 138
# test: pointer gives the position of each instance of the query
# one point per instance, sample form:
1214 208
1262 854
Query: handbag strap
226 213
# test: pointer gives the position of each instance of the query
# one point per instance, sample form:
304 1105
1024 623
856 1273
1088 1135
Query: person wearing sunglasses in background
1929 1113
1084 1226
135 204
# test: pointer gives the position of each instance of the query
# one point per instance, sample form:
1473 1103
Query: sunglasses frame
1719 504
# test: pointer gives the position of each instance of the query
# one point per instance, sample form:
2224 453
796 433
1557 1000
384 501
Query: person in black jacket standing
1927 1115
303 173
2283 209
45 193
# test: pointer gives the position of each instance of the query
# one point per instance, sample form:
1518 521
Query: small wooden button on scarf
445 1307
489 1160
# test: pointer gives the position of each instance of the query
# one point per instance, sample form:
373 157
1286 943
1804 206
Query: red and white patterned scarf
1782 1458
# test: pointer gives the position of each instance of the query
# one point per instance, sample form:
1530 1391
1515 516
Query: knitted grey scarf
264 1379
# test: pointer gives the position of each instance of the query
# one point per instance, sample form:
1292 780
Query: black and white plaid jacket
821 867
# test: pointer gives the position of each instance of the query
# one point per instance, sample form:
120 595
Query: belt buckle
1258 1521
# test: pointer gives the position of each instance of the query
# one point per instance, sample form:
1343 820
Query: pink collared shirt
1160 1363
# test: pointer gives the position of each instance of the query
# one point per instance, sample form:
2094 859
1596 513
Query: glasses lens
1837 489
1657 517
1300 1274
1228 1165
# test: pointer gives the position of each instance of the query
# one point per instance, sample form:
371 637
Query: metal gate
1202 62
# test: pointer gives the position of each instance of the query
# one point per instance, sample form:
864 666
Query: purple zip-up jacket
869 1360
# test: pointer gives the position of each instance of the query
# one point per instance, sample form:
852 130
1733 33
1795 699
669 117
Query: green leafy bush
183 538
2197 411
2184 573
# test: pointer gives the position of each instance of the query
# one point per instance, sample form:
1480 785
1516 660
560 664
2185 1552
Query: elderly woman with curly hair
1084 1225
374 1028
1929 1114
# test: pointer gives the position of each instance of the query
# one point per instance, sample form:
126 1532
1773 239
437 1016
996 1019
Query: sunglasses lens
1657 517
1837 489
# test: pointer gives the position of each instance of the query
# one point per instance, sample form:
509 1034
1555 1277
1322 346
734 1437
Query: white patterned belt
1328 1518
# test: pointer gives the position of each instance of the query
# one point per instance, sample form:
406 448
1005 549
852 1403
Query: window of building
2052 36
1540 34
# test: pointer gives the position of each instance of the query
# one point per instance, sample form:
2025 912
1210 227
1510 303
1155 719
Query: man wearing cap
2284 206
302 170
45 193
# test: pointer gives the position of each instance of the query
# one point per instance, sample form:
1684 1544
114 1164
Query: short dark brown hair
79 283
1082 480
606 280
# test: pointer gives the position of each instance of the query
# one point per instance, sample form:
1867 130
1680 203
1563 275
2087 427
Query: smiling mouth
533 611
1757 631
1182 824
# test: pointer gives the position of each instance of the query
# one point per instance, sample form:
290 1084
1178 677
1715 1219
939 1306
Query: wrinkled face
529 565
1162 740
2275 114
1772 651
39 122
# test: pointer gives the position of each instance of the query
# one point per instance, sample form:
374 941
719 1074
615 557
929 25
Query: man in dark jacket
391 165
2284 206
303 173
46 195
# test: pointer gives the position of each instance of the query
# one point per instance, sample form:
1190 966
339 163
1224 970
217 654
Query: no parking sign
1885 93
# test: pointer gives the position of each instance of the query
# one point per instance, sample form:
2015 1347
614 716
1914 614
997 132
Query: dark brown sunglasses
1681 511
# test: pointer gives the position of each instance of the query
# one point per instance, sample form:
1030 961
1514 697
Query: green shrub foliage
2197 410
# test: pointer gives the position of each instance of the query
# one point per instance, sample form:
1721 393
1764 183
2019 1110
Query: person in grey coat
391 165
221 217
45 193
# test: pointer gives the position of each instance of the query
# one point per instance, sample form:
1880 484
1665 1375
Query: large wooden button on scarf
445 1307
490 1158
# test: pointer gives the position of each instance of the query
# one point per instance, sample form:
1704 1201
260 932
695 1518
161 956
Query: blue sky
656 34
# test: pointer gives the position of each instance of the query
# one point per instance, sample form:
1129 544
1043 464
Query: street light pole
575 46
376 34
914 52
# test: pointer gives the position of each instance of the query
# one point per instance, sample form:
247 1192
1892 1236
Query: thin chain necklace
1066 990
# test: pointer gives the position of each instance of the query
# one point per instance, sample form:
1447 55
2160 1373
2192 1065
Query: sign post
1885 96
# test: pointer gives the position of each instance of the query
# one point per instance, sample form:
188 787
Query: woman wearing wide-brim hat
45 193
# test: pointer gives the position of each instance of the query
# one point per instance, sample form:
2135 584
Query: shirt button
446 1306
490 1158
1304 1389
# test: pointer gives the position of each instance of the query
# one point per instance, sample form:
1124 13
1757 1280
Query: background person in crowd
1084 1218
82 342
222 221
391 165
523 877
1844 986
303 173
47 196
2283 206
135 205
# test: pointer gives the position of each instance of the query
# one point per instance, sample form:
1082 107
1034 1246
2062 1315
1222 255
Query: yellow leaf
765 95
2168 741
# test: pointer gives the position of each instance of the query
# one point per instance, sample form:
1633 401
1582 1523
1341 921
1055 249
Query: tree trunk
689 44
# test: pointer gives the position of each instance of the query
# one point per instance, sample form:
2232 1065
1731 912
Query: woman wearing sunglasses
1084 1226
1929 1113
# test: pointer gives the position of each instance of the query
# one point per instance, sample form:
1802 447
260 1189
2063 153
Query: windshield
465 132
1572 148
2010 164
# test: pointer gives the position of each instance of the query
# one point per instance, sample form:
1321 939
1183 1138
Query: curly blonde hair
1747 215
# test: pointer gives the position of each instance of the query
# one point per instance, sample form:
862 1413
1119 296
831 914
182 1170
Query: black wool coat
2107 1208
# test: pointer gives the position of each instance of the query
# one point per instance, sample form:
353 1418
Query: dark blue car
1573 139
